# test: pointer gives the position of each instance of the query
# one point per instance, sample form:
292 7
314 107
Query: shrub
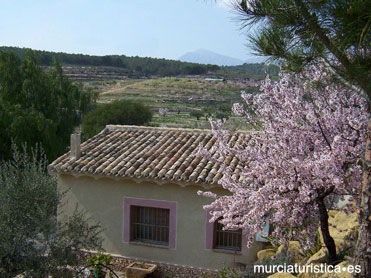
99 262
32 243
208 112
222 115
122 112
228 272
196 113
248 272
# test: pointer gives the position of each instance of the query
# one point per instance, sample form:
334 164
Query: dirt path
117 88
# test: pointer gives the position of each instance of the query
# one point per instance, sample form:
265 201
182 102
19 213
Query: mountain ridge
204 56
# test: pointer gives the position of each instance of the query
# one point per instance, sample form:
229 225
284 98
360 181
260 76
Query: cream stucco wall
103 200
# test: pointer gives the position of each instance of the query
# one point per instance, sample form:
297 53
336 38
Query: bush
119 112
196 113
247 271
225 108
208 112
31 241
99 262
222 115
229 272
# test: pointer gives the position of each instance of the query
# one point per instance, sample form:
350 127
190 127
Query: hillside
81 67
204 56
257 69
180 96
121 64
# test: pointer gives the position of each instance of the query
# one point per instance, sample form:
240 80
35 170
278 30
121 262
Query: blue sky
161 28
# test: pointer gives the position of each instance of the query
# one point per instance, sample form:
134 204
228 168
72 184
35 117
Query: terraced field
180 96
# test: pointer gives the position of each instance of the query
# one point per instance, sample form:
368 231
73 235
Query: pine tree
298 32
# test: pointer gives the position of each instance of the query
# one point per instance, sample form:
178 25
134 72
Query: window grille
149 225
227 239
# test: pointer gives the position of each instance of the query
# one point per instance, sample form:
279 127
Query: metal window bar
227 239
149 225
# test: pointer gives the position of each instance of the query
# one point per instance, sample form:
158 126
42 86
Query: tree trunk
363 247
327 238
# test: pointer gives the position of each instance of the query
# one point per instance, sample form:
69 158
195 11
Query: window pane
150 225
227 240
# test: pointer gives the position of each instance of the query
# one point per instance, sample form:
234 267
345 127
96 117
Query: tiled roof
158 154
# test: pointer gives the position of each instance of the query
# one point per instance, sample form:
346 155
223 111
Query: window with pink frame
150 222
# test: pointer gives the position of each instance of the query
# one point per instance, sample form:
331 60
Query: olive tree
32 243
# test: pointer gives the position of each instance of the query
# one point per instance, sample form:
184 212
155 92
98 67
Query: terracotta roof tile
149 153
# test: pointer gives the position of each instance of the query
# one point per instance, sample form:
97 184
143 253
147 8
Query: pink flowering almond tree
310 137
163 111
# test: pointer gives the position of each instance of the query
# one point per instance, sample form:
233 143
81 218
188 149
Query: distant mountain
203 56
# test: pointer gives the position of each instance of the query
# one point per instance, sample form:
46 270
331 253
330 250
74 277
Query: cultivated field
180 96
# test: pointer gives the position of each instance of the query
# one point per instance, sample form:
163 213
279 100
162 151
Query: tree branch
343 59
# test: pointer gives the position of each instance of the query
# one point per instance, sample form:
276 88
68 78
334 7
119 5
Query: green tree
37 106
197 114
226 108
31 242
208 112
222 115
120 112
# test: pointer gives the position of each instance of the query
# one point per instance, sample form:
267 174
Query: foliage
348 247
208 112
132 66
196 113
256 69
98 262
119 112
305 154
299 32
223 111
31 243
248 270
37 106
228 272
222 115
226 108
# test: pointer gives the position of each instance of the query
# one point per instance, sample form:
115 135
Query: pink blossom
309 139
163 111
238 109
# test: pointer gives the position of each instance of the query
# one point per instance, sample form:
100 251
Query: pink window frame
209 237
128 202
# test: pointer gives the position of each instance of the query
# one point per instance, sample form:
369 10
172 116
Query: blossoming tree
310 136
163 111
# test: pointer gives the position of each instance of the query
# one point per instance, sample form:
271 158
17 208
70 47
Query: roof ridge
135 127
155 128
